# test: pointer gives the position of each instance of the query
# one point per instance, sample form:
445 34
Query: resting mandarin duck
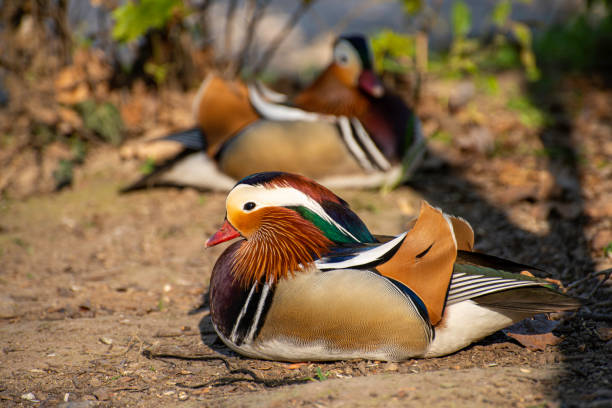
344 130
308 281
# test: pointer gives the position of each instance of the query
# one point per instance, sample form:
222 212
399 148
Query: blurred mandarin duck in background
308 281
344 130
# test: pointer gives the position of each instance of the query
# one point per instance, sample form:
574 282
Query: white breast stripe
274 111
353 146
241 314
364 257
260 305
367 142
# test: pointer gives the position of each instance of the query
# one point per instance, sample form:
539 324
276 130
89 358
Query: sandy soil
103 299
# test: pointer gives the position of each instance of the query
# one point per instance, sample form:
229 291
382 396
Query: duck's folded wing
506 290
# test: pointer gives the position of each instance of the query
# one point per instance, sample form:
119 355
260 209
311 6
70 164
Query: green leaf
320 375
461 18
412 6
157 71
501 12
134 19
522 33
392 50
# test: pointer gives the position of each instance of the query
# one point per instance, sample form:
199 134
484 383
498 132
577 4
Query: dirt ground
103 299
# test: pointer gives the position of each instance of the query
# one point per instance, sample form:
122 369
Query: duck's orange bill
369 82
225 233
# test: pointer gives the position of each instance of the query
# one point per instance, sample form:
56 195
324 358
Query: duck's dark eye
249 206
343 59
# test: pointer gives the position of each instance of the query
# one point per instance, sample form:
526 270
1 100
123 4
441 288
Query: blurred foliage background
74 74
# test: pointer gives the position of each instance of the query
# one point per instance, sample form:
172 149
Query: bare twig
600 283
257 11
254 378
229 26
283 33
591 275
160 356
268 382
596 316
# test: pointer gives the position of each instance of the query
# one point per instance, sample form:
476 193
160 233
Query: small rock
8 307
102 394
481 140
106 340
604 333
601 239
391 367
183 396
29 397
78 404
461 95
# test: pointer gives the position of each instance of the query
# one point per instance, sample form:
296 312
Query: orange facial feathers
281 244
425 260
330 94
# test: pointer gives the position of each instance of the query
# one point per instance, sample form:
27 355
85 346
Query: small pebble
106 340
183 396
29 397
391 367
525 370
169 392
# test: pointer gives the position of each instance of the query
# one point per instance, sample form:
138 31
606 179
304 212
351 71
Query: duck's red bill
225 233
369 82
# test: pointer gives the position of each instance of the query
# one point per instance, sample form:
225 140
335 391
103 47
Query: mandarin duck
344 130
307 280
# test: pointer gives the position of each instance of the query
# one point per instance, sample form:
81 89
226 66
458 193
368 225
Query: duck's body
309 281
343 130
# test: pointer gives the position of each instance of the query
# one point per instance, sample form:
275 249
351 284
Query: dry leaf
535 341
535 334
527 273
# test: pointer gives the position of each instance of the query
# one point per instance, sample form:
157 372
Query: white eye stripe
279 197
345 53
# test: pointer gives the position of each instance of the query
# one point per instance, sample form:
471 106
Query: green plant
148 166
63 174
461 47
134 19
529 114
159 72
103 119
393 52
321 376
582 44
